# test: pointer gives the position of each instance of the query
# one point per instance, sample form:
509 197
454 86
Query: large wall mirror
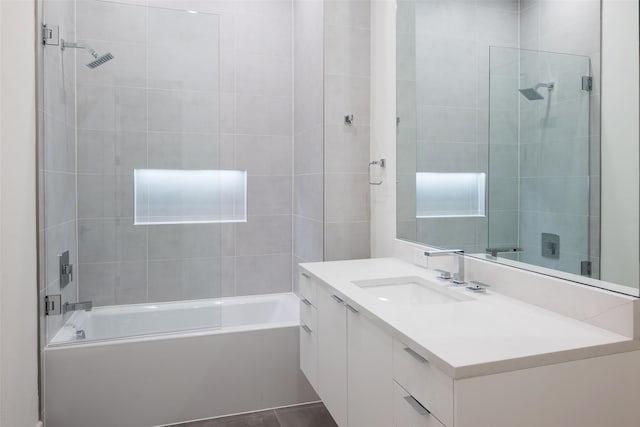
517 134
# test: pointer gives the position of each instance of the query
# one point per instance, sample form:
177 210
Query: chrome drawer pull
415 355
306 301
351 309
337 298
416 405
306 328
305 275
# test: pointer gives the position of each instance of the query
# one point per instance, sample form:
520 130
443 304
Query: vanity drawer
307 288
427 384
309 343
407 411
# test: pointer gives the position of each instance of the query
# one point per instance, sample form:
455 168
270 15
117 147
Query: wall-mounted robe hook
348 119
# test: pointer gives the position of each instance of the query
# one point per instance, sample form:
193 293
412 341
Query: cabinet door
332 354
309 343
370 370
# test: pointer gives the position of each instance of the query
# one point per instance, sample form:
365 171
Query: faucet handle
444 274
476 286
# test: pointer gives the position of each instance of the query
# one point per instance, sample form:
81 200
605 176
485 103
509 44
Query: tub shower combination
169 231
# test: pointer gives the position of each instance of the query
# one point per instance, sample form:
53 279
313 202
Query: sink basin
410 291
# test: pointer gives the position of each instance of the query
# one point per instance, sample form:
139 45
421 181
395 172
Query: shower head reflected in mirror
98 59
532 94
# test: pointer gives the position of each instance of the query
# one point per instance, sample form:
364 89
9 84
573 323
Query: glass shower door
138 102
539 169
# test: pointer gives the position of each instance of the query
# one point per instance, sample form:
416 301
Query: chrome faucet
458 262
495 251
75 306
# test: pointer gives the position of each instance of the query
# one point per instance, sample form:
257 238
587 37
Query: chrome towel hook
382 163
348 119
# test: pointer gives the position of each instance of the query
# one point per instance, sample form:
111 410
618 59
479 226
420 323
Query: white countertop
491 333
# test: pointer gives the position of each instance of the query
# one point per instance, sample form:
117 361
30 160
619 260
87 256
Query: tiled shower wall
346 147
57 160
157 105
452 125
308 115
331 81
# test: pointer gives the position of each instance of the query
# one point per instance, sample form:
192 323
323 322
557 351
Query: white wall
620 136
383 124
18 287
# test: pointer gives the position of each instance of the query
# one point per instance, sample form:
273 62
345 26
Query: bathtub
154 364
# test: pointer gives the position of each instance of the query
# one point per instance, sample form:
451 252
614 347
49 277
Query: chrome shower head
532 94
100 60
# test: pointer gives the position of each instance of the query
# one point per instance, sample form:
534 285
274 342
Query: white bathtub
136 320
153 364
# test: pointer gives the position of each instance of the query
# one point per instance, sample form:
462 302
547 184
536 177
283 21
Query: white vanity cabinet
492 361
308 329
353 360
332 354
426 390
369 371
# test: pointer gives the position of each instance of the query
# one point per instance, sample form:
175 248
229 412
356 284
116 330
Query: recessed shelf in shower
173 196
450 194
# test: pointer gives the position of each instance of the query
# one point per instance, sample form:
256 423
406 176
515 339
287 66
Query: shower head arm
65 44
549 85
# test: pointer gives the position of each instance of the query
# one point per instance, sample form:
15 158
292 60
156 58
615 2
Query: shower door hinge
52 305
50 34
587 83
585 268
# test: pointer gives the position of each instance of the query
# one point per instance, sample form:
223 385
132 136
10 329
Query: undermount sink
410 291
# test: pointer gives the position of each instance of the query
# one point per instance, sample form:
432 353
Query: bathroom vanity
385 343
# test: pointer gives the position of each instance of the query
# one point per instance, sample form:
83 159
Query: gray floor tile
314 415
256 419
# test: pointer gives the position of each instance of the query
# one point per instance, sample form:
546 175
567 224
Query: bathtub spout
74 306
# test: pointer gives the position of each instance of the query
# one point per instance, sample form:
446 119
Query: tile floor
313 415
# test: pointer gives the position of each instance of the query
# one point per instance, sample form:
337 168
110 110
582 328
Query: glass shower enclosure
133 198
541 200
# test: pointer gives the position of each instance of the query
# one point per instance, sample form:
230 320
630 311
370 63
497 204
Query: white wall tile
308 239
263 274
346 149
264 155
309 196
184 151
111 152
347 51
182 111
346 95
352 13
260 74
263 115
269 195
346 197
101 20
184 241
111 108
262 235
348 240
